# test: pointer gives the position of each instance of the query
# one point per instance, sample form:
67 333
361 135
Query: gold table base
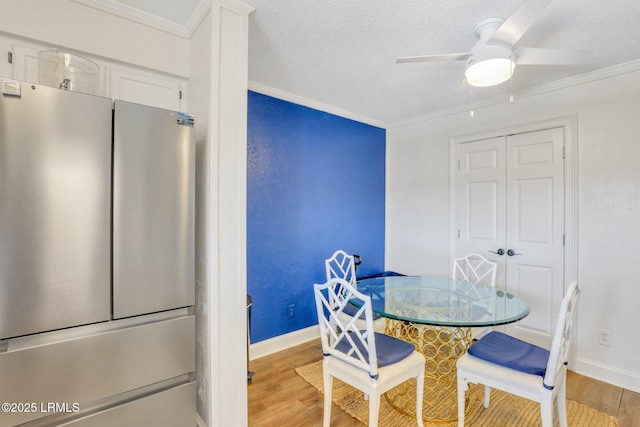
442 347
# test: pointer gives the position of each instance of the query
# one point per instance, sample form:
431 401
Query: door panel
482 198
482 215
533 210
534 284
517 203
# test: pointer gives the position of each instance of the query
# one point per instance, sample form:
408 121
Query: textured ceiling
342 52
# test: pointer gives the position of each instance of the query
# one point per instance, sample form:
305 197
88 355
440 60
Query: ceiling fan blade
519 21
540 56
434 58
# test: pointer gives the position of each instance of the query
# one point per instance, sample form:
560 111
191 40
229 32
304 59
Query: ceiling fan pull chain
511 89
471 103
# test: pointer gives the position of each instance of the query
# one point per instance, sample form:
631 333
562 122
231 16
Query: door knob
511 252
498 252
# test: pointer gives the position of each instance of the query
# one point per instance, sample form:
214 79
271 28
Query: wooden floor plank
629 414
593 393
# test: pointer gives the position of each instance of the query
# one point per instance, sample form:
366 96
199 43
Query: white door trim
569 126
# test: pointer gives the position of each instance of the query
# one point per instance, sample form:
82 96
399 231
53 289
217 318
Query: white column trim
226 222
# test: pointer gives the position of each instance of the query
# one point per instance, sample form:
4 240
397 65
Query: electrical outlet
291 311
604 337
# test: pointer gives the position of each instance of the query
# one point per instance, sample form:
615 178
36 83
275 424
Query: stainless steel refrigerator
96 260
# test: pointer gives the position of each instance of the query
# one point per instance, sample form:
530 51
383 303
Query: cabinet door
146 88
5 66
24 60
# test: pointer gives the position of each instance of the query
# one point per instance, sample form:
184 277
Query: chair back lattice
559 354
341 265
341 338
474 268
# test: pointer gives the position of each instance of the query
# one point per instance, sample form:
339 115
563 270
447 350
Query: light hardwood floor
278 397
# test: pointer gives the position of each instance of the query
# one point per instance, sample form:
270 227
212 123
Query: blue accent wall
315 184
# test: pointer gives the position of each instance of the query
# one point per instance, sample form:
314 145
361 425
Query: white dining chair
476 269
367 360
343 266
500 361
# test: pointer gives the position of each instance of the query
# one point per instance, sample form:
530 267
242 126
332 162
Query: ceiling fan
494 57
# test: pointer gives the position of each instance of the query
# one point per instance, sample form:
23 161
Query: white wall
608 112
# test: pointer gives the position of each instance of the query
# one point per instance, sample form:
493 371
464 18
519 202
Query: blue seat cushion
510 352
389 350
351 310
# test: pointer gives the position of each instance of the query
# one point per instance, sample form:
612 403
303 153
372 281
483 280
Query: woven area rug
505 409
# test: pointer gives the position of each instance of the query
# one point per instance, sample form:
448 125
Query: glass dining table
437 316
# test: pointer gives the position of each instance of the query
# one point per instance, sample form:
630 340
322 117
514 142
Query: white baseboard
283 342
618 377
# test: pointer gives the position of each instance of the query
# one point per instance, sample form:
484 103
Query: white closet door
511 197
535 229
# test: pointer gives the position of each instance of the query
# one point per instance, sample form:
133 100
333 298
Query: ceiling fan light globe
489 72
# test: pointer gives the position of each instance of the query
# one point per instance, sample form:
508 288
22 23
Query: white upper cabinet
25 54
146 88
117 80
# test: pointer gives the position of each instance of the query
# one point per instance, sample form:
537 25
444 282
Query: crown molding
203 8
238 5
197 16
132 14
306 102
